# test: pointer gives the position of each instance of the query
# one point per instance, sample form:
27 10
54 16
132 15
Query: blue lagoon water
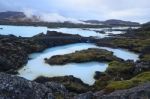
85 71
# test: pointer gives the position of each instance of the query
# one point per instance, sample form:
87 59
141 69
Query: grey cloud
136 10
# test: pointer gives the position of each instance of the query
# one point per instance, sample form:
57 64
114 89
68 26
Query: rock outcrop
89 55
13 87
122 80
139 92
14 50
71 83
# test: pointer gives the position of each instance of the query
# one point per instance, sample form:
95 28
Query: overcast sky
132 10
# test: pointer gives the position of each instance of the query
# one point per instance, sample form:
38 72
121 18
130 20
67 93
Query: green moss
119 85
102 79
100 84
133 44
145 58
145 32
120 69
59 96
117 66
145 76
76 87
88 55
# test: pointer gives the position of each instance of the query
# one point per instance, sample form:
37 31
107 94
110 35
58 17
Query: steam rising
48 17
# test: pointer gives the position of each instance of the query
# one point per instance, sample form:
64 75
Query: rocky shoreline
121 80
14 87
15 50
71 83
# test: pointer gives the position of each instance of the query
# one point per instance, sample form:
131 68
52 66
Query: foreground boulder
13 87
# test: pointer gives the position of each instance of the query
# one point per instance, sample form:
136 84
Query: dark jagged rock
91 54
14 53
134 40
139 92
121 70
102 80
120 75
13 87
14 50
56 87
141 67
88 95
71 83
99 74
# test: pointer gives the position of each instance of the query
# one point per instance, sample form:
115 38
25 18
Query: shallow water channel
85 71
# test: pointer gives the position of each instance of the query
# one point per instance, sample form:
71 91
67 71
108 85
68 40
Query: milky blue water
85 71
81 32
29 31
122 53
24 31
87 32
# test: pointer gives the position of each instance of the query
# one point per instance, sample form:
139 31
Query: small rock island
89 55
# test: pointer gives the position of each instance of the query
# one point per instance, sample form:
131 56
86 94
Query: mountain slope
113 22
14 16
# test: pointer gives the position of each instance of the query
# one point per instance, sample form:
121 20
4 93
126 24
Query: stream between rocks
36 66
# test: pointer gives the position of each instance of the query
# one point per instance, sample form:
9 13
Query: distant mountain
148 23
113 22
11 15
146 26
93 21
14 16
120 22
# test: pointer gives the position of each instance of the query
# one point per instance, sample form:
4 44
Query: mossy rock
117 70
76 87
137 45
145 58
120 69
59 96
135 40
89 55
100 84
71 83
102 79
119 85
145 76
126 84
119 66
